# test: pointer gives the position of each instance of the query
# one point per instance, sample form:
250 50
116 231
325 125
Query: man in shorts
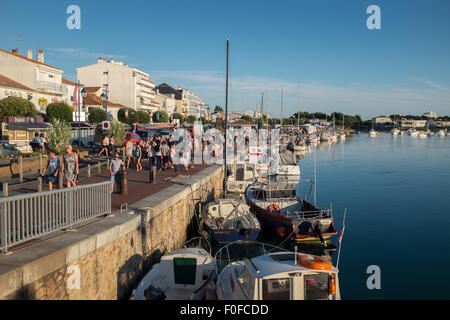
114 170
53 169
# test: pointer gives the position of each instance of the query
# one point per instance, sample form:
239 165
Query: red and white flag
343 227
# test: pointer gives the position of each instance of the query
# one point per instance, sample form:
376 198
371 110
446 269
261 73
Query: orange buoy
316 263
273 208
332 284
281 231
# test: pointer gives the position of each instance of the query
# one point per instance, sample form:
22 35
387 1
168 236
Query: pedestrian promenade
139 186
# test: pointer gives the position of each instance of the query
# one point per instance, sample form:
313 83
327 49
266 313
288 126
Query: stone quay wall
107 259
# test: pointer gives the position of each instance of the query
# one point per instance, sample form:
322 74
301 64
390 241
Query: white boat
395 131
278 276
422 135
288 167
372 133
229 220
342 136
448 134
241 177
441 133
312 139
413 132
300 148
182 274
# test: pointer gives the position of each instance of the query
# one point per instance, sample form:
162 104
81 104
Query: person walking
112 146
172 154
165 155
53 170
105 146
129 151
114 171
70 167
158 154
137 157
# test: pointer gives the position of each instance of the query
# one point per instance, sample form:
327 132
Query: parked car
133 135
7 150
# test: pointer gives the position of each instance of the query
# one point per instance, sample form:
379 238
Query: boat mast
281 123
298 115
226 122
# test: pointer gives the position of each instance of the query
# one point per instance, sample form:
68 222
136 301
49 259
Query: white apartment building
193 105
40 79
126 85
430 115
382 120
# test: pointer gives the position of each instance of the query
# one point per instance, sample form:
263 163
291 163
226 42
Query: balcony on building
50 87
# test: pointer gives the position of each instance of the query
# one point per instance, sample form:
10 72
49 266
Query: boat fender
281 231
316 263
273 208
332 284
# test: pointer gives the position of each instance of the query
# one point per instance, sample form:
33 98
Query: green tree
59 136
218 109
143 116
178 116
161 117
118 130
59 111
191 119
132 116
15 106
96 115
247 118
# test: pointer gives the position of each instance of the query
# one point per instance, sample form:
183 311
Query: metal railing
304 215
28 216
49 86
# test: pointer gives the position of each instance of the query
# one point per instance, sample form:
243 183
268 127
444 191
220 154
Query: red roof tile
7 82
25 58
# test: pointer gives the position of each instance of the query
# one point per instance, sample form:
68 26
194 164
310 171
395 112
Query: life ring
273 208
316 263
281 231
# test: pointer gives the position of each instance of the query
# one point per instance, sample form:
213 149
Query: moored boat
182 274
229 220
284 213
279 275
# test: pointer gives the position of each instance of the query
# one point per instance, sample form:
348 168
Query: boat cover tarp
286 159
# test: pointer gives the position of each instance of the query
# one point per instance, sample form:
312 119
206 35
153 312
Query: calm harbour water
396 191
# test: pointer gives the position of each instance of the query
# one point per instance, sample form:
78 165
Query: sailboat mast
225 174
298 115
281 109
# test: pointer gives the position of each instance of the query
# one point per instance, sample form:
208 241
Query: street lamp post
81 93
104 98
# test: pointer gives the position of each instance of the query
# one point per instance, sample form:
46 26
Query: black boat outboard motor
245 232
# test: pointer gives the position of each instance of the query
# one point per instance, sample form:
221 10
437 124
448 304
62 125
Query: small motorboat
372 133
229 220
241 177
395 131
281 275
441 133
342 136
413 132
288 167
182 274
283 213
422 135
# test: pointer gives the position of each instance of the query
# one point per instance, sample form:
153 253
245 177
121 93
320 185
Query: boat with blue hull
230 220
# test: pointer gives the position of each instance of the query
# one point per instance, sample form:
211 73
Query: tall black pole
226 123
79 115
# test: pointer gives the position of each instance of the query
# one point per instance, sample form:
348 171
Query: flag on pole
343 227
75 97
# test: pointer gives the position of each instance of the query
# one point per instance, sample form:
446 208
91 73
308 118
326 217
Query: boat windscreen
184 270
274 193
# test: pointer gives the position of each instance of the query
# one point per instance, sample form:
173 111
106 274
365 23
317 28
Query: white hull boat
372 133
182 274
278 276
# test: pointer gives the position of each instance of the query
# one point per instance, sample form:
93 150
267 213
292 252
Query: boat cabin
280 276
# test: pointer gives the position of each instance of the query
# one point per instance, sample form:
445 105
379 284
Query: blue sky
324 46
